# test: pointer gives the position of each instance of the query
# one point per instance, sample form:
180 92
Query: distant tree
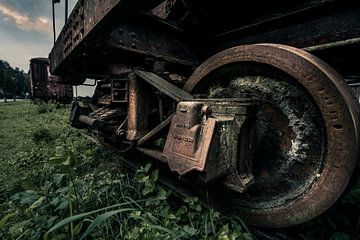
4 77
23 83
13 82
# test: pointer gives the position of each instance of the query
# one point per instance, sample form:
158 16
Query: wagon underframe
213 88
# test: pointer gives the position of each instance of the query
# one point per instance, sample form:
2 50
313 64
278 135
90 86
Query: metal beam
164 86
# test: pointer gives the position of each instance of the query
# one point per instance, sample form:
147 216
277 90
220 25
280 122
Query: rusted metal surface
337 26
335 106
219 17
164 86
155 131
231 153
138 109
119 90
92 122
204 136
95 26
85 16
189 138
274 161
157 154
147 40
188 31
76 112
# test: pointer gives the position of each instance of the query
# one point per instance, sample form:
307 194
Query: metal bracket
189 138
164 86
211 136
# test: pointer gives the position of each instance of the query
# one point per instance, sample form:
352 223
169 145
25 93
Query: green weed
60 185
56 184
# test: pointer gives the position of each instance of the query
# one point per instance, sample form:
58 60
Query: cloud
19 56
26 29
38 24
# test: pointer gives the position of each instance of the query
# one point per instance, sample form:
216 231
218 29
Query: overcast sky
26 29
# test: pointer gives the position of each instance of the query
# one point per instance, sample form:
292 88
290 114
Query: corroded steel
189 138
208 136
138 108
337 108
94 26
151 134
164 86
275 161
85 16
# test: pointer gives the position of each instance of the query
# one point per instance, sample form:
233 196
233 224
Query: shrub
42 135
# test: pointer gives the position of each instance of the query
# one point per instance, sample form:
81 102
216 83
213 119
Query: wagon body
44 86
247 101
187 32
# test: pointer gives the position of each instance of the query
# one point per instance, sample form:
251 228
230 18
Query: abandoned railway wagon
244 102
45 87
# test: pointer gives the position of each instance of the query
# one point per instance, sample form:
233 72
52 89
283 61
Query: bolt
206 110
121 132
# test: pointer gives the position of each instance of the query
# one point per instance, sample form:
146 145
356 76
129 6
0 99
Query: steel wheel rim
305 68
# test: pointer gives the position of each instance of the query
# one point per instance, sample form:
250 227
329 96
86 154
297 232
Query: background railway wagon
44 86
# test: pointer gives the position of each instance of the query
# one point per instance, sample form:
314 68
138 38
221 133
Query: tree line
14 83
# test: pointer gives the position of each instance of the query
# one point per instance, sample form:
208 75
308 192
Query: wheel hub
307 131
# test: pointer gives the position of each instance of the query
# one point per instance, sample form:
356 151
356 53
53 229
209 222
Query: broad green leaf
147 167
155 175
141 177
148 188
161 194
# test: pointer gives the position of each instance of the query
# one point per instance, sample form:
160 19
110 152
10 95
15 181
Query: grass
56 184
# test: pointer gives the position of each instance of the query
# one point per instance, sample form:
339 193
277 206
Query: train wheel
307 130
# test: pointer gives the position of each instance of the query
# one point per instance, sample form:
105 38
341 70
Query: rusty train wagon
43 86
244 102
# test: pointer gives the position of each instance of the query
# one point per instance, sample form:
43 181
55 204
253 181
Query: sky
26 30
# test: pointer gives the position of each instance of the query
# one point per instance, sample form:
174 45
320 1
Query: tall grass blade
101 218
82 215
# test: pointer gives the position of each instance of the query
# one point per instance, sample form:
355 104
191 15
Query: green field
50 172
58 184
